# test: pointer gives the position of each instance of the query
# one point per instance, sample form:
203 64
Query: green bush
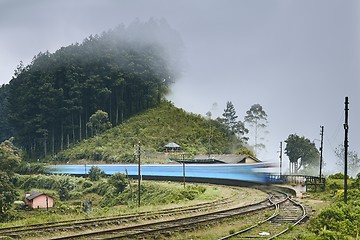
337 176
95 173
118 181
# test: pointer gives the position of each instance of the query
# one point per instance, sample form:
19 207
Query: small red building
35 199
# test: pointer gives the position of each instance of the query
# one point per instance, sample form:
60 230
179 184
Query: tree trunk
80 126
62 137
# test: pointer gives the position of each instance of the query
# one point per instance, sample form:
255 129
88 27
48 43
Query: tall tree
230 121
5 129
256 118
302 153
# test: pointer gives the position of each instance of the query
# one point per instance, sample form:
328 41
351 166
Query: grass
72 210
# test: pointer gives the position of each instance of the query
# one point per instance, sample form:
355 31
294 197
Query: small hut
35 199
171 147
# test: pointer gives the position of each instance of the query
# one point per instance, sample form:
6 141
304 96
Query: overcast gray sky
298 59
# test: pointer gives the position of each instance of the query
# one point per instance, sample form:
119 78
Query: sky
298 59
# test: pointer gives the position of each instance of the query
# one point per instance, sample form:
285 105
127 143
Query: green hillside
154 128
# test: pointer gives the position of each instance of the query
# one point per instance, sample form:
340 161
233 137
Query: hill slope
154 128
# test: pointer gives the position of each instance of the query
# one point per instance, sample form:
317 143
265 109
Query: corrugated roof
226 158
34 194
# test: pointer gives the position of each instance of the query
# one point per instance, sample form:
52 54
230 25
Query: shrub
95 173
337 176
118 181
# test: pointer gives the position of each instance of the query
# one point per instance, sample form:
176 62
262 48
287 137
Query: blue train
249 172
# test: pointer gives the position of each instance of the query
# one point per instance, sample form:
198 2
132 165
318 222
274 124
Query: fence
311 183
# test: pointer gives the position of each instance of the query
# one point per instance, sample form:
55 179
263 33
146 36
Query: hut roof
34 194
172 145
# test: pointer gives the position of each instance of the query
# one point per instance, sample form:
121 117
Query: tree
256 117
10 158
7 195
118 181
245 151
302 153
5 129
99 122
234 126
353 160
65 186
95 173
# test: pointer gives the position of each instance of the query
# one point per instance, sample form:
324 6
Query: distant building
224 158
35 199
171 147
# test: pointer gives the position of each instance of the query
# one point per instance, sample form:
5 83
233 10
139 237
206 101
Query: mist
298 59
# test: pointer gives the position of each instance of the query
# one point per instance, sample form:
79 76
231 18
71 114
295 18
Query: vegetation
10 158
352 159
237 128
256 118
154 129
76 197
95 173
99 122
5 130
339 220
302 153
47 104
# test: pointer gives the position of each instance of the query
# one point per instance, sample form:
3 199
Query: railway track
68 225
287 214
149 230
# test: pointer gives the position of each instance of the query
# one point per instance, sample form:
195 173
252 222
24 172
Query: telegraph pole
280 158
346 145
321 149
183 161
137 153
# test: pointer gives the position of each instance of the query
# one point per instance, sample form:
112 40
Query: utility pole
346 145
321 149
280 158
183 161
137 153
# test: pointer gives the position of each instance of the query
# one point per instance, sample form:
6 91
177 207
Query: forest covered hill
124 71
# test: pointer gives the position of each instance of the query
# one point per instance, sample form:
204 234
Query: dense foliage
121 72
5 129
10 158
154 129
302 153
107 192
339 221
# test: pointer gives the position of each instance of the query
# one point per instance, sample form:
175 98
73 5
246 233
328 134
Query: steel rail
147 228
88 221
276 214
